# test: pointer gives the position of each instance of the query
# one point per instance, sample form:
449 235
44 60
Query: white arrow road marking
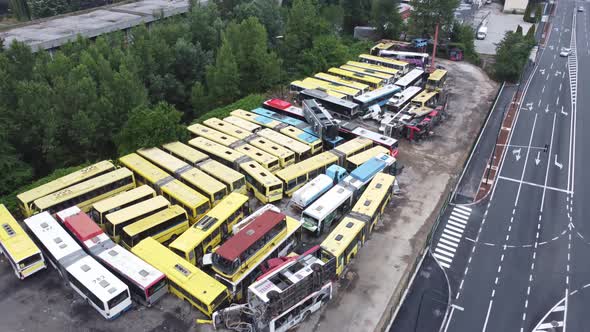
537 160
560 165
516 153
562 112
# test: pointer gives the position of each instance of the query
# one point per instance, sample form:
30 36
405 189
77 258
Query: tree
519 30
47 8
427 13
267 12
511 56
15 172
327 51
199 100
223 77
463 36
205 26
151 126
334 16
303 24
356 12
530 35
386 18
258 68
527 12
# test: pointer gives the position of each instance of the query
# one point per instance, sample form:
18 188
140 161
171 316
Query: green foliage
223 78
333 14
531 33
267 12
538 13
386 18
427 13
247 103
511 56
20 9
527 13
356 12
518 30
258 68
199 100
15 172
463 36
151 126
327 51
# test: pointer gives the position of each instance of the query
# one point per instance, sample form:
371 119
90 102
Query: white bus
378 96
99 287
328 209
311 191
301 311
414 78
402 99
414 58
146 283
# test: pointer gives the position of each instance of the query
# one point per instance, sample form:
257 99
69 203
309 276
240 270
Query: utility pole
432 62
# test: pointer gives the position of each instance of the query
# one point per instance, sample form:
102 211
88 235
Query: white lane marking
446 230
455 229
548 161
445 253
456 224
534 184
464 208
450 237
443 258
526 160
461 213
485 324
444 246
454 244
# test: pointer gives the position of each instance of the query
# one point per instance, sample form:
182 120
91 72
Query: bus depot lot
44 303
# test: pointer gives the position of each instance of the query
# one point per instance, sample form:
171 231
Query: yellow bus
350 148
358 159
218 152
426 99
298 86
234 180
301 150
214 228
263 158
285 156
343 243
99 210
436 80
345 90
115 221
312 141
26 199
389 79
213 135
372 82
296 175
371 205
266 187
185 153
195 204
402 66
363 88
244 124
145 172
185 281
258 119
21 252
227 128
86 193
164 226
205 184
164 160
376 68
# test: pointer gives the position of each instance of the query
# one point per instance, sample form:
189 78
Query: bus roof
226 173
370 200
383 59
362 157
260 173
13 237
244 124
307 85
329 202
300 134
202 180
337 241
65 181
375 136
201 229
353 146
82 226
385 90
259 119
53 237
164 160
437 74
184 194
410 77
82 187
217 149
100 281
271 147
145 169
136 209
305 166
256 154
227 128
213 135
179 270
425 96
334 87
159 217
377 68
284 140
321 95
124 197
235 245
368 72
185 152
338 80
354 75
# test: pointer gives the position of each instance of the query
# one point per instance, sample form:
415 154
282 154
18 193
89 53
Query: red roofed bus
238 261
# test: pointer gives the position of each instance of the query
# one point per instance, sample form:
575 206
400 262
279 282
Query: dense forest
98 99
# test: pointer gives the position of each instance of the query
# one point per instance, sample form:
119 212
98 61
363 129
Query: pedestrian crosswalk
553 321
451 235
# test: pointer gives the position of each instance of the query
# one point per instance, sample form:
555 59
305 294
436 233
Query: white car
565 52
580 9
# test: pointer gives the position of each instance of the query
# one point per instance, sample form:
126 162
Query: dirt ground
43 303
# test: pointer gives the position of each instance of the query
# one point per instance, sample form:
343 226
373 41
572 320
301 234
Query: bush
247 103
512 55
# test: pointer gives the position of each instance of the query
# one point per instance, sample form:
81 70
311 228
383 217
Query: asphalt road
520 259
